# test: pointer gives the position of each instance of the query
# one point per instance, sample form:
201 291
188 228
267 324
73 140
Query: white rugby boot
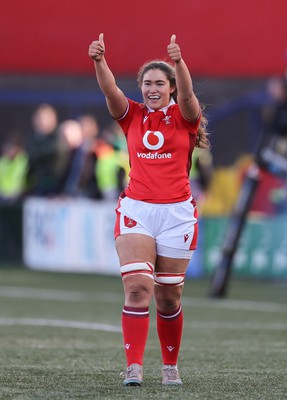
133 375
170 375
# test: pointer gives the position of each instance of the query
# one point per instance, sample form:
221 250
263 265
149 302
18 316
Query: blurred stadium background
234 52
60 290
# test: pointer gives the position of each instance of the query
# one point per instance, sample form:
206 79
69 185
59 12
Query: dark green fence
262 249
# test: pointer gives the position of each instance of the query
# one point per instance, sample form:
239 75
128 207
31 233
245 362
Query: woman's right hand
97 48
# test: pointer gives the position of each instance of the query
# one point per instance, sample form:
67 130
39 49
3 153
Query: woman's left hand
173 50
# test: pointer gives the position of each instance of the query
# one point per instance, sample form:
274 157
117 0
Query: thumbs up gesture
173 50
97 48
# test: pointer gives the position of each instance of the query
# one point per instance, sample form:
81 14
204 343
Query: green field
60 338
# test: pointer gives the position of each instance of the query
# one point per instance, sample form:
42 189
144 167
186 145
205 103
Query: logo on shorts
186 236
129 223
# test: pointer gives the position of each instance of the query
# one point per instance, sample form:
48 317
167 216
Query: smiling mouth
153 97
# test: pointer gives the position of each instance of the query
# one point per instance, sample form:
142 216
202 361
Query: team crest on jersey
186 236
166 119
129 223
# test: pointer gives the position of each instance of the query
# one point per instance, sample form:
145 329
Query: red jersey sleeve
191 126
126 119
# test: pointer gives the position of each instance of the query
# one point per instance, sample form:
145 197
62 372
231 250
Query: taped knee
167 279
138 268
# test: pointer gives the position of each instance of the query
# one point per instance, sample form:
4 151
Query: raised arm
115 98
187 101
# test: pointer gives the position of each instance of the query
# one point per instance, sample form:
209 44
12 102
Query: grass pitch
60 338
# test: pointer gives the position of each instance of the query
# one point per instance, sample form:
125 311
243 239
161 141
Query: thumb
172 39
101 38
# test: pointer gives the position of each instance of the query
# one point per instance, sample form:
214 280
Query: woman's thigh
135 247
171 265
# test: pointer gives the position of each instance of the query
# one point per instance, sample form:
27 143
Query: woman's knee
167 299
138 291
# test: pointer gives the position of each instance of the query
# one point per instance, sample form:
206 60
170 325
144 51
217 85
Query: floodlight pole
236 224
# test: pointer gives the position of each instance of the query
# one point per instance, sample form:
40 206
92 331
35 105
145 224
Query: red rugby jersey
160 146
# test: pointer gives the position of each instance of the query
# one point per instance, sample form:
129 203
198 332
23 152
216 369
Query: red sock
169 329
135 325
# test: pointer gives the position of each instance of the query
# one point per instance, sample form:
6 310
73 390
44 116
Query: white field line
59 323
245 326
42 294
57 295
237 305
65 295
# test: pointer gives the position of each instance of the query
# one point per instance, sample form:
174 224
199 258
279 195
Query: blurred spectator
13 168
43 152
88 184
113 163
263 200
278 197
200 173
70 163
275 114
273 186
114 136
90 128
270 196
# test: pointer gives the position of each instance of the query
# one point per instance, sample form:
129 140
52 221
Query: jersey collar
164 109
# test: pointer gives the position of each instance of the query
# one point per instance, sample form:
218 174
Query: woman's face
156 89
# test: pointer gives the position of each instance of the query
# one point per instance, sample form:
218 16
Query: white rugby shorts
174 226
